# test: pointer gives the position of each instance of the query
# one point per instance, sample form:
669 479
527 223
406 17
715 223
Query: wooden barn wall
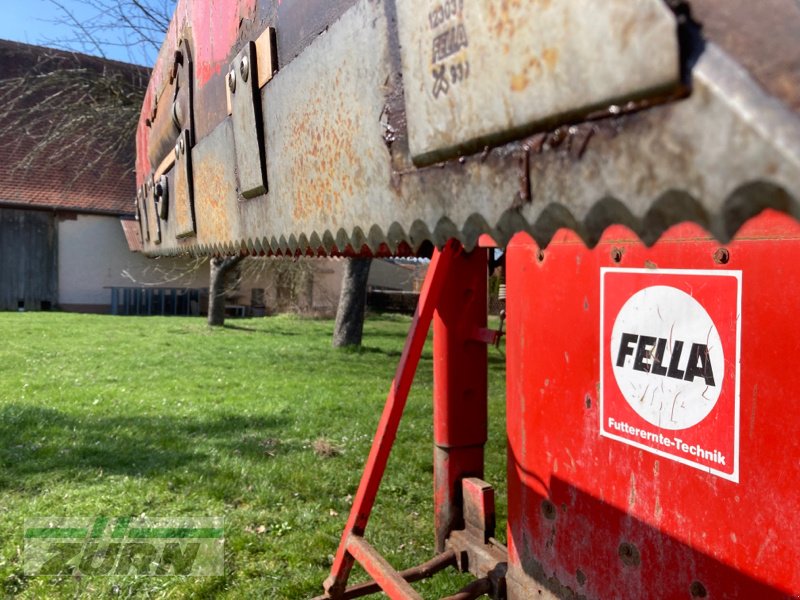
28 259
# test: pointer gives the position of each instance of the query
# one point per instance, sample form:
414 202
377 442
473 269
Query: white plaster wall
407 277
93 254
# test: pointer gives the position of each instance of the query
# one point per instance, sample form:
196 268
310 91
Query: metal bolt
616 255
549 510
698 590
629 554
722 256
177 149
244 68
182 145
232 81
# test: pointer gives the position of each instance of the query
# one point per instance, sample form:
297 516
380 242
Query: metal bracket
153 222
184 194
162 197
141 214
248 125
172 110
477 550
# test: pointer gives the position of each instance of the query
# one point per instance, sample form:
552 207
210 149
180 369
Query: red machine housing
591 516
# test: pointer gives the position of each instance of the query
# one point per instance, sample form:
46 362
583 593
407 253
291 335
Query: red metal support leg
459 387
435 282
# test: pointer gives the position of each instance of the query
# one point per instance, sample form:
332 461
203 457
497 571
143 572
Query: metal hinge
252 68
151 212
170 144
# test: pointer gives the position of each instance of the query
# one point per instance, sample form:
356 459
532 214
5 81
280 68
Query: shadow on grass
35 440
369 350
270 332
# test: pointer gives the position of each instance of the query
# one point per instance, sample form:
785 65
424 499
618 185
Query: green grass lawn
261 423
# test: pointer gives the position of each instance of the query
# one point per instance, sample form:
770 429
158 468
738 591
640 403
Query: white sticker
667 357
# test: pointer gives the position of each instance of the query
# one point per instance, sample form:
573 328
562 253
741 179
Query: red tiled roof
133 234
87 170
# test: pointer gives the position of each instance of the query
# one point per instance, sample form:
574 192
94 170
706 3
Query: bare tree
69 109
136 26
349 326
222 270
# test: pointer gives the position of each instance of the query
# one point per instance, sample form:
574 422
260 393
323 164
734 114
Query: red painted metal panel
605 519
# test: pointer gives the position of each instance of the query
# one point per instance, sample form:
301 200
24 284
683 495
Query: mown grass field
261 422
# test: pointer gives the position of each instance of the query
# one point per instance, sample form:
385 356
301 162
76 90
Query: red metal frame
460 417
460 412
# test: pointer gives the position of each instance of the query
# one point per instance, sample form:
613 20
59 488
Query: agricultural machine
638 161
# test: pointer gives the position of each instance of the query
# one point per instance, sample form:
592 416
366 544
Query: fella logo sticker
669 380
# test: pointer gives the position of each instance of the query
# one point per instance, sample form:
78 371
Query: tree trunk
352 303
221 268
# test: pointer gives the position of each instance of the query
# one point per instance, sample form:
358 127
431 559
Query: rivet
629 554
244 68
232 81
698 590
722 256
616 255
549 510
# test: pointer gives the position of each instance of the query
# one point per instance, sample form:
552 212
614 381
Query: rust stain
536 64
632 495
324 159
626 32
503 17
215 199
519 82
550 58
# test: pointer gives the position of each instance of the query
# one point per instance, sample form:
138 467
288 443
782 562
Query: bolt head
232 81
244 68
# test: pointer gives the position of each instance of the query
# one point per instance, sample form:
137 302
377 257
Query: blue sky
31 21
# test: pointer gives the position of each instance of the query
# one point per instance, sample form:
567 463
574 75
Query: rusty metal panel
342 178
216 199
328 162
716 158
477 73
152 220
184 187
